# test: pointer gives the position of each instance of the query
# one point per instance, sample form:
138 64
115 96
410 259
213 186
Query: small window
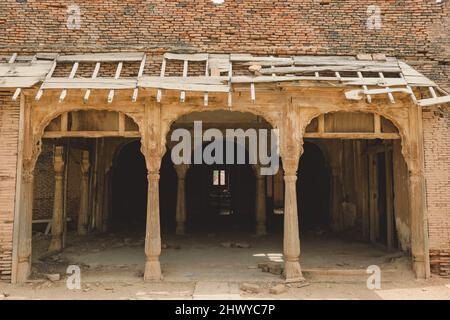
219 177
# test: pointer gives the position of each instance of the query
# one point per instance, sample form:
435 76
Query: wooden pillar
373 197
25 227
56 243
83 214
180 215
260 205
419 224
291 240
389 200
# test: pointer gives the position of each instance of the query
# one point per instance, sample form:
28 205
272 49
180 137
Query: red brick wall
9 126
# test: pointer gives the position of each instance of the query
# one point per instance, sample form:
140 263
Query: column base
180 229
420 269
152 271
261 230
55 245
23 271
293 272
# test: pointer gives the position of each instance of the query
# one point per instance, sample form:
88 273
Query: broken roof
366 76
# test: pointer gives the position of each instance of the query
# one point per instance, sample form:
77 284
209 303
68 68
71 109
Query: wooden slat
13 58
184 86
71 76
22 82
162 73
433 101
390 95
369 98
185 74
116 77
140 74
48 76
103 57
94 75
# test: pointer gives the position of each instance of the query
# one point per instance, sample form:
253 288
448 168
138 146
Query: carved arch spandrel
40 121
399 117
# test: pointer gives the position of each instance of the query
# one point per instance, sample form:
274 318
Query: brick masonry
417 31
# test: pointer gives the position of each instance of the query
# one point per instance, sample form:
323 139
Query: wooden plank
140 73
22 82
285 70
351 135
116 77
71 76
162 73
90 134
13 58
321 123
341 61
358 94
386 82
185 74
25 69
390 95
121 122
48 76
103 57
64 122
184 86
186 57
94 75
433 101
258 60
87 83
377 123
154 82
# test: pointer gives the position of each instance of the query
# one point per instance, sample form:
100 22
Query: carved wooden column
25 227
260 206
181 199
58 201
291 241
291 150
419 224
152 149
83 214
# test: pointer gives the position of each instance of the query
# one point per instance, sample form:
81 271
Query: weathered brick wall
9 128
437 172
417 31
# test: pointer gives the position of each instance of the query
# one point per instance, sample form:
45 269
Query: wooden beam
140 73
90 134
351 135
71 76
102 57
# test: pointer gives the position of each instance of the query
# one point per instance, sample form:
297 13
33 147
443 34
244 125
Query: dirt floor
220 267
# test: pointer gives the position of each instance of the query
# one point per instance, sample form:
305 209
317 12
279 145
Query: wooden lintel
351 135
90 134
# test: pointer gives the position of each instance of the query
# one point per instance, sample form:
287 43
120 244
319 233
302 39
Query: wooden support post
153 234
291 239
373 197
389 201
260 206
25 228
419 225
181 199
83 214
56 243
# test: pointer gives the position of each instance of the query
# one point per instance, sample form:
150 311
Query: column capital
58 159
152 175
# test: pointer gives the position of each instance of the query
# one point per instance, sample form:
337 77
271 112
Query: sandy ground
201 268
